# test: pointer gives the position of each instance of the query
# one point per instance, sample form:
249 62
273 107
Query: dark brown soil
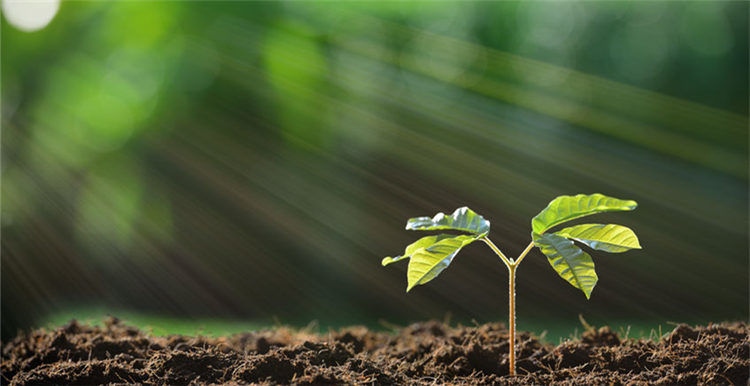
424 353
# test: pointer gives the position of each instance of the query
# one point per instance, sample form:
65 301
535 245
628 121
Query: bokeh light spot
30 15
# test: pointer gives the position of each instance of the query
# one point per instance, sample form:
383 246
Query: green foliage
427 263
566 208
570 262
430 255
609 238
462 219
422 243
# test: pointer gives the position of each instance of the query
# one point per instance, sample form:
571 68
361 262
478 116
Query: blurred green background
254 161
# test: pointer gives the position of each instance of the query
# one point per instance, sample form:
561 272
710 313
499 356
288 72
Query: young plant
430 255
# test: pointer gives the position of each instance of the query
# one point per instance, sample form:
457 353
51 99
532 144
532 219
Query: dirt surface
424 353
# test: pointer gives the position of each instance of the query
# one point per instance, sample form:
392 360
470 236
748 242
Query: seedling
430 255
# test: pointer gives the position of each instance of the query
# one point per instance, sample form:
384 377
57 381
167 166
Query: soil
423 353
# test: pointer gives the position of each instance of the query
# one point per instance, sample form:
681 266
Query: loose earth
422 353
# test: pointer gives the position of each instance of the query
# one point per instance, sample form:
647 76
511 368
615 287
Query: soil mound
423 353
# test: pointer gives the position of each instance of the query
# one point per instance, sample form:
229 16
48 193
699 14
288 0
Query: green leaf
571 263
462 219
566 208
424 242
427 263
610 238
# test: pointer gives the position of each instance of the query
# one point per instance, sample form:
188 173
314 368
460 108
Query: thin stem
512 317
512 265
524 253
508 262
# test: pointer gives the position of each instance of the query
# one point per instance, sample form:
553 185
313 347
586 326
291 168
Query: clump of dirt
422 353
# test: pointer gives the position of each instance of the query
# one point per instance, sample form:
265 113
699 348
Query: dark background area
256 160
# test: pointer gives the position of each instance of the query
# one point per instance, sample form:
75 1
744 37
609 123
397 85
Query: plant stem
512 265
512 316
508 263
525 252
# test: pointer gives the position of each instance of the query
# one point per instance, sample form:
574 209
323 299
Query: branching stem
508 262
512 265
